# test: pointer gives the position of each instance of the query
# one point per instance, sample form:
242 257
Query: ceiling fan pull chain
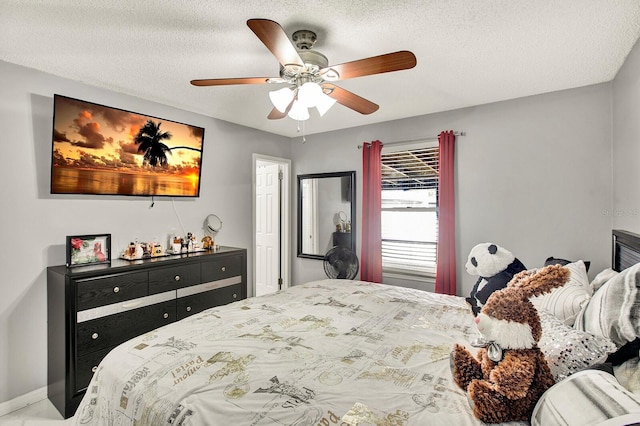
304 138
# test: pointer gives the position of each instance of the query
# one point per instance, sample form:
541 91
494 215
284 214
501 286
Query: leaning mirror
326 213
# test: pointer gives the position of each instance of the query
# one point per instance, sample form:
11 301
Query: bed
328 352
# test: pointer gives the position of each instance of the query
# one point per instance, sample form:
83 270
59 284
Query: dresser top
122 265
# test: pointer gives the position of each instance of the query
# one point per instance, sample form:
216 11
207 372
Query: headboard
625 249
625 253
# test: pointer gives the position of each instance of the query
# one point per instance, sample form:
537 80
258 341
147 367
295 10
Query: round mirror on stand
342 220
212 225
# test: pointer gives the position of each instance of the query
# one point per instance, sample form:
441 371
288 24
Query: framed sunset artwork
103 150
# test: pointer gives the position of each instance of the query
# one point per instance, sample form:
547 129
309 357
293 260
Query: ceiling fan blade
276 40
227 81
275 114
351 100
389 62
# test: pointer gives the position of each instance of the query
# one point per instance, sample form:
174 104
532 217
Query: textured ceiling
469 52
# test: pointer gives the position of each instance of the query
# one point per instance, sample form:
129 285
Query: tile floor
41 413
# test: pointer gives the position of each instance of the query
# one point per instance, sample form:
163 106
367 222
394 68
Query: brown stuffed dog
505 380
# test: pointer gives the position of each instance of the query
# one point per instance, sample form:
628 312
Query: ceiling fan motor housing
314 61
304 39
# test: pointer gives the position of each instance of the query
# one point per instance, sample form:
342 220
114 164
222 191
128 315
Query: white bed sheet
330 352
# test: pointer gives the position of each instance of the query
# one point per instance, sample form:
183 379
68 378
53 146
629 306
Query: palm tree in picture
149 140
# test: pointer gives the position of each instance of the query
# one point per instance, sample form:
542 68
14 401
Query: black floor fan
341 263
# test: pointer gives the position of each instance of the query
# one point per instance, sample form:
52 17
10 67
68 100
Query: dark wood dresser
92 309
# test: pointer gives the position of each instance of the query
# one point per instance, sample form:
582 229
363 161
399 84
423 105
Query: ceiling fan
308 74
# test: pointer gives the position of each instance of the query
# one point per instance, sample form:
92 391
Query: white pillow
566 302
591 397
602 278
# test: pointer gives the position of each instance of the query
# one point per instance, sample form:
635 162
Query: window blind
411 169
409 220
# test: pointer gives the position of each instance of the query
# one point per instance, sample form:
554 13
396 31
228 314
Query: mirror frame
352 194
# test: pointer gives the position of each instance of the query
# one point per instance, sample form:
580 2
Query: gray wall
34 224
626 148
533 175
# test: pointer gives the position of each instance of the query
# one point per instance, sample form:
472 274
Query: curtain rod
433 138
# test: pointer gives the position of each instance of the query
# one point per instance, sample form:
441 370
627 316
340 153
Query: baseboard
23 401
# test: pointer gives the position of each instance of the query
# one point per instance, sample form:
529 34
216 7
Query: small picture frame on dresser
85 250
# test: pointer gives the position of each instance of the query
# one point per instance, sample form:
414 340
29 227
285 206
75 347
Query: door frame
285 217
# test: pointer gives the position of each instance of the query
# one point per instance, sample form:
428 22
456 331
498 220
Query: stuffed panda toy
494 266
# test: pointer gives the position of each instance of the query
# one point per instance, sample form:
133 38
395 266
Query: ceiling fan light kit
298 111
281 98
311 95
324 103
308 74
308 93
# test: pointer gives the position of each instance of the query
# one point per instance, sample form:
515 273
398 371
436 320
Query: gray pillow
557 261
614 309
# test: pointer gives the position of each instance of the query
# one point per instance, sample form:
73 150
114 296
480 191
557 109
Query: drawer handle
94 336
235 296
224 268
166 315
94 369
131 304
188 308
176 278
116 289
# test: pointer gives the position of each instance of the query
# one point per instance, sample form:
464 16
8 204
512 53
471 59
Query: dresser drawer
108 331
223 267
104 290
85 367
195 303
171 278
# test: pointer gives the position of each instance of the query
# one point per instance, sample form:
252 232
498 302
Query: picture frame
85 250
135 166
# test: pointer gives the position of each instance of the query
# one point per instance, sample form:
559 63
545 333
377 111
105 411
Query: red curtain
446 256
371 251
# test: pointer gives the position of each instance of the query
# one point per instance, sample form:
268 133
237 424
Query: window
409 201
